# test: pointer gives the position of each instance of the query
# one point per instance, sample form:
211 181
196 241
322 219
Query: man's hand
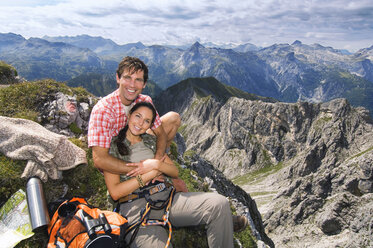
179 185
145 166
140 168
159 178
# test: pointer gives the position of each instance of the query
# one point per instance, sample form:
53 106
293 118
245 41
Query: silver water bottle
37 204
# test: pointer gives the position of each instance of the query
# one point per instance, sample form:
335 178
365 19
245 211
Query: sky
341 24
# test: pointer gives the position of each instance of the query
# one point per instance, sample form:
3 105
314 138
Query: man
109 116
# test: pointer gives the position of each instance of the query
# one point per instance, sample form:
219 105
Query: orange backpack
77 224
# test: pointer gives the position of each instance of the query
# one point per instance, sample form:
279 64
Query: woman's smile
140 121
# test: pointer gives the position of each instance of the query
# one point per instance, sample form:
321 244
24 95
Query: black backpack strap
145 214
122 235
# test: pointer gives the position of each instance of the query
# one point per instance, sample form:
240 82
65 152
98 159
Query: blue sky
340 24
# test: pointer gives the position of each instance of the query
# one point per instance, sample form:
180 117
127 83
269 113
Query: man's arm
161 142
105 162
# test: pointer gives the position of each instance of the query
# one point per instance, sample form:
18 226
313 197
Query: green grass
182 129
320 123
75 129
7 71
246 238
30 96
257 174
361 153
10 181
262 193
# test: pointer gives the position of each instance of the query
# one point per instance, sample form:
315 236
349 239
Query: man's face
130 86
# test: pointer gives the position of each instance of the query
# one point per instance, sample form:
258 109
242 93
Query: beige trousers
188 209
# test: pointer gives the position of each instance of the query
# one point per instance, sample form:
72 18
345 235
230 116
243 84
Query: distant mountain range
287 72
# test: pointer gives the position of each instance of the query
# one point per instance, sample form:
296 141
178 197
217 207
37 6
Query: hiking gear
147 218
77 224
155 189
239 223
36 203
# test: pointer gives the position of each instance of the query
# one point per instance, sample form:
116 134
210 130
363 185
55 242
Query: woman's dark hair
122 148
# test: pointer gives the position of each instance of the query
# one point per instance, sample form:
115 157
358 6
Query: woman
187 209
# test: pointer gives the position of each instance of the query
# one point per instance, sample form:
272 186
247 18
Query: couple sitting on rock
128 140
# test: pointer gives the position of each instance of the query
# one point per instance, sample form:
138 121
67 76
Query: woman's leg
150 236
212 209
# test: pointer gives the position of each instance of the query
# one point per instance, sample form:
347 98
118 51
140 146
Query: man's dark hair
132 65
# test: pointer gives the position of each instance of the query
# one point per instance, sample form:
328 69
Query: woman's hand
144 167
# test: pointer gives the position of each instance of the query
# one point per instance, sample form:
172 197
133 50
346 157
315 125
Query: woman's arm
119 189
165 166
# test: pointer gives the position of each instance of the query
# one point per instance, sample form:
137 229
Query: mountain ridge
286 72
200 88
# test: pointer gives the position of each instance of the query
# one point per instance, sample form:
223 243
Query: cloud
338 23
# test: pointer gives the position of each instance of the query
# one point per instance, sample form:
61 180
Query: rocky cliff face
308 165
218 182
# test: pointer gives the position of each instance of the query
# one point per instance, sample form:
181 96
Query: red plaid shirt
108 117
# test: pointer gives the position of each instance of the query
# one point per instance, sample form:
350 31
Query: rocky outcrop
218 182
240 199
315 160
65 114
8 74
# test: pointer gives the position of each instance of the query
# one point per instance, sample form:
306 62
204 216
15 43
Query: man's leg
171 121
198 208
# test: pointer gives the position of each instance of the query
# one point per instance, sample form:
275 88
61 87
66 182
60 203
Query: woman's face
140 120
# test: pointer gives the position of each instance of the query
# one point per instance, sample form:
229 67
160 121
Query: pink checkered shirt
108 117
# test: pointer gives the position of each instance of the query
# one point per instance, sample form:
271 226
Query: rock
316 158
8 74
365 186
261 244
329 220
329 224
242 201
65 115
